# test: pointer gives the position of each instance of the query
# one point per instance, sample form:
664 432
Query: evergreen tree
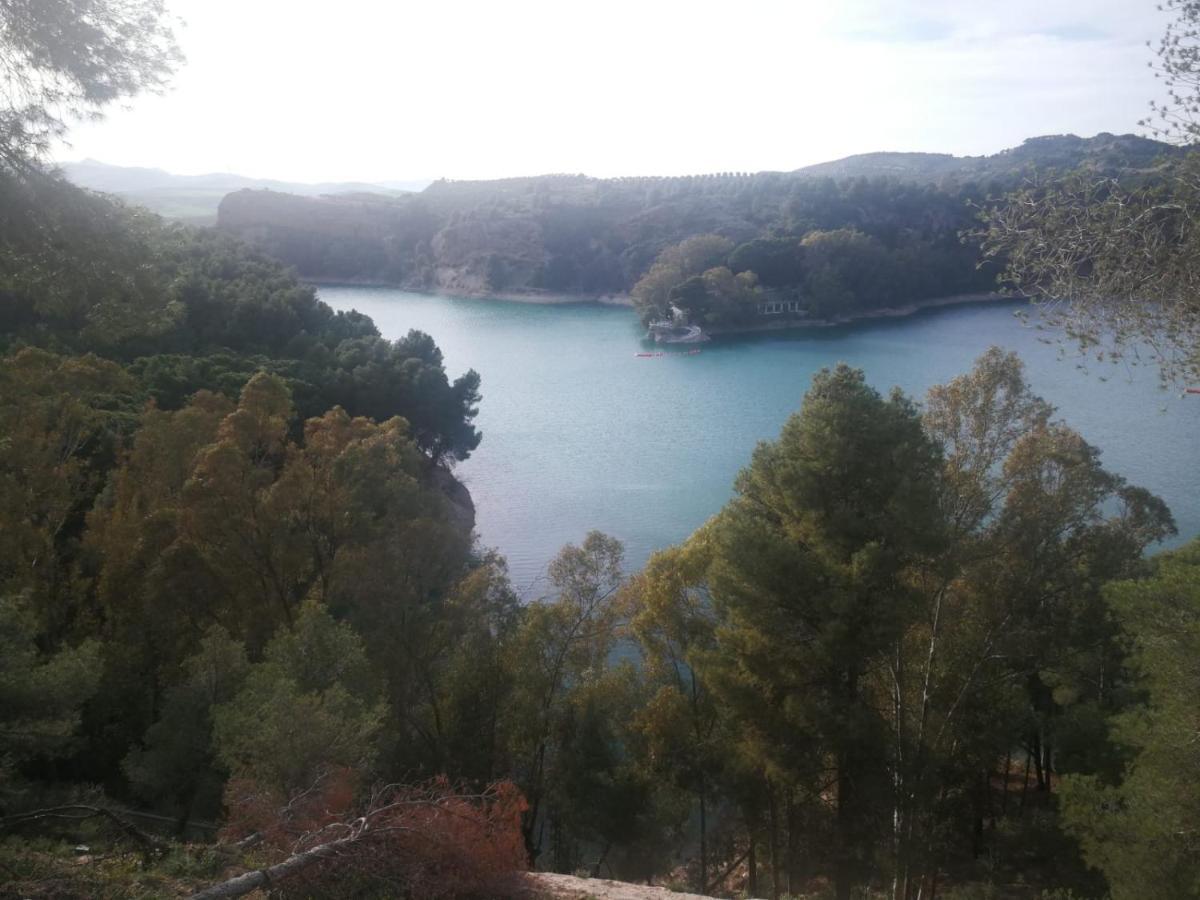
1142 832
811 583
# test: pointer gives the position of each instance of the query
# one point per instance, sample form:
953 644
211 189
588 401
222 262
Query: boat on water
659 353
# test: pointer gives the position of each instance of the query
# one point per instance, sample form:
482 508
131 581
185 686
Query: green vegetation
185 309
1141 830
825 275
1111 254
896 604
569 234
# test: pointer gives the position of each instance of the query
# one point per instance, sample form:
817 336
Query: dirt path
568 887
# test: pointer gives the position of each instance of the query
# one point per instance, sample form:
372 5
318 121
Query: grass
44 868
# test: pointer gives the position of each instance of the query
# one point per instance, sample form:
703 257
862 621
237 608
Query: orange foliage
281 821
429 840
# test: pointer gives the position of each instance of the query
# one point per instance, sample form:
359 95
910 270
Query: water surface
579 433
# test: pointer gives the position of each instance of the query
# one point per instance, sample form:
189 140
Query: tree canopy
1112 258
64 59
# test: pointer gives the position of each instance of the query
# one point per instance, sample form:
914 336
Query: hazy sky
379 90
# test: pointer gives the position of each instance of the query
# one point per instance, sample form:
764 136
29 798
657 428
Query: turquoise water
578 433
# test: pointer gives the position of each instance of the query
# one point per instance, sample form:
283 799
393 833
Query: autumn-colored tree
60 421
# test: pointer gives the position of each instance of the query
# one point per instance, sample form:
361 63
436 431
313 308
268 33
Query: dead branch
265 878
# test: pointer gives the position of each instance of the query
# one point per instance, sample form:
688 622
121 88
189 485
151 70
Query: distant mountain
1104 152
194 198
580 236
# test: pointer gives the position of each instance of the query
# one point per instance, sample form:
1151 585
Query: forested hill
1104 152
571 234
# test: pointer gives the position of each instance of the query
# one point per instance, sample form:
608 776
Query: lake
580 434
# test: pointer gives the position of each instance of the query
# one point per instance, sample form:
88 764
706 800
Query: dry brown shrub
432 840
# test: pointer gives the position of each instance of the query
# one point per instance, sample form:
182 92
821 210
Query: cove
580 434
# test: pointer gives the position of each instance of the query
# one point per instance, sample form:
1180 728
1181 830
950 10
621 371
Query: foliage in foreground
1113 260
1142 829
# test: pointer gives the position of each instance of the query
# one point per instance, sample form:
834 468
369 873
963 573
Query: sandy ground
568 887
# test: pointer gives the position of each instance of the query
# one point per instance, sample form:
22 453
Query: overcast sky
379 90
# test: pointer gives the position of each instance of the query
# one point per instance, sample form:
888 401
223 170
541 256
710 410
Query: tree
1141 832
844 271
80 266
470 680
60 422
380 377
1010 644
312 705
175 764
811 588
889 606
65 59
1111 261
778 262
675 265
217 516
561 644
41 694
684 728
717 297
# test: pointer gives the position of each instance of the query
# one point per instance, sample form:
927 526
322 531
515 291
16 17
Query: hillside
588 237
1104 152
194 198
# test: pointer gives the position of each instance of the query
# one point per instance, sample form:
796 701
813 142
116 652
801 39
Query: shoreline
885 312
537 298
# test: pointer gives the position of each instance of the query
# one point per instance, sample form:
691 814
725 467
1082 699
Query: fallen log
243 884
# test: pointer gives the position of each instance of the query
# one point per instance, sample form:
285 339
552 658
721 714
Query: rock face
462 507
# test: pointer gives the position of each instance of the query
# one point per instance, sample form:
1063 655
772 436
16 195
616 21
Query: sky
378 90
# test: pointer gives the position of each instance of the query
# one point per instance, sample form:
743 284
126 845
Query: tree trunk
793 846
977 824
752 865
1037 762
601 860
1025 781
843 875
846 817
1004 795
265 878
703 840
1047 767
773 837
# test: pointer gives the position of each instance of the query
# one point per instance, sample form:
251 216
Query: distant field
194 198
